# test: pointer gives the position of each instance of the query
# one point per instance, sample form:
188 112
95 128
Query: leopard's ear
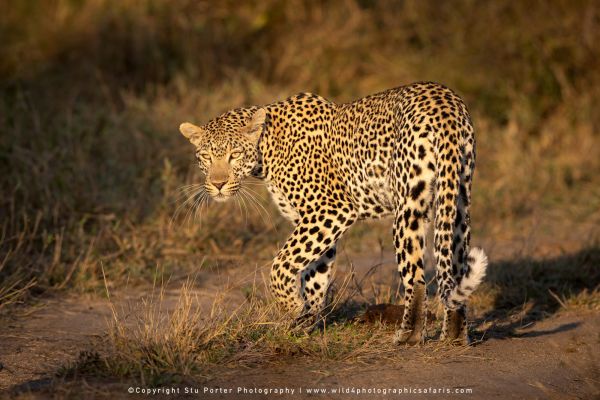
191 132
256 125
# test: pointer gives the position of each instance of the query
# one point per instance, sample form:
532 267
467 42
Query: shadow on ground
529 290
525 290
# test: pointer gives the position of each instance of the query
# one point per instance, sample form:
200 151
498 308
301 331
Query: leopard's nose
219 185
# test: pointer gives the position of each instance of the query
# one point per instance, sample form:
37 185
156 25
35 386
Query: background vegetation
92 92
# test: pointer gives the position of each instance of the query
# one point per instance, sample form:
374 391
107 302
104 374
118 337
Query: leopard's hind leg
410 229
455 278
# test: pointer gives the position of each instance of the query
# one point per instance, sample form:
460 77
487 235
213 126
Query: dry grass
91 94
163 340
546 282
158 341
88 114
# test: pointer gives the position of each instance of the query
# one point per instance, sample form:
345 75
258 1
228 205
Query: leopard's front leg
315 281
302 269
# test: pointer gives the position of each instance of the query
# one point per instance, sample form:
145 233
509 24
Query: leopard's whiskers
244 193
185 190
241 197
251 195
192 192
198 206
190 210
237 200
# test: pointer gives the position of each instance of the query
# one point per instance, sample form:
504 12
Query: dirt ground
555 357
96 179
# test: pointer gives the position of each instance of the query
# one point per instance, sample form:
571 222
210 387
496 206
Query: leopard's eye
205 156
235 155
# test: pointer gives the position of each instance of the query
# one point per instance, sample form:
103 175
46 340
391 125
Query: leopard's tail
459 269
477 262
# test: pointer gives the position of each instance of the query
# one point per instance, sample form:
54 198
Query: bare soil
555 357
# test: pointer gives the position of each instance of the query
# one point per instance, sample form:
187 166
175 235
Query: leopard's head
227 149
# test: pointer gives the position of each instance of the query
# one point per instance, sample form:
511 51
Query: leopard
406 153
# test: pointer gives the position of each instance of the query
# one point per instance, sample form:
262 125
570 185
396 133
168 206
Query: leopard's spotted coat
402 153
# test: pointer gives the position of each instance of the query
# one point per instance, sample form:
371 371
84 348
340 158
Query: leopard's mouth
222 193
220 197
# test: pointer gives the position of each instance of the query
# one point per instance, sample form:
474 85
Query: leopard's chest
285 208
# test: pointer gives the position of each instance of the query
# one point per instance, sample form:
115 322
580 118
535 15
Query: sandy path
558 357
